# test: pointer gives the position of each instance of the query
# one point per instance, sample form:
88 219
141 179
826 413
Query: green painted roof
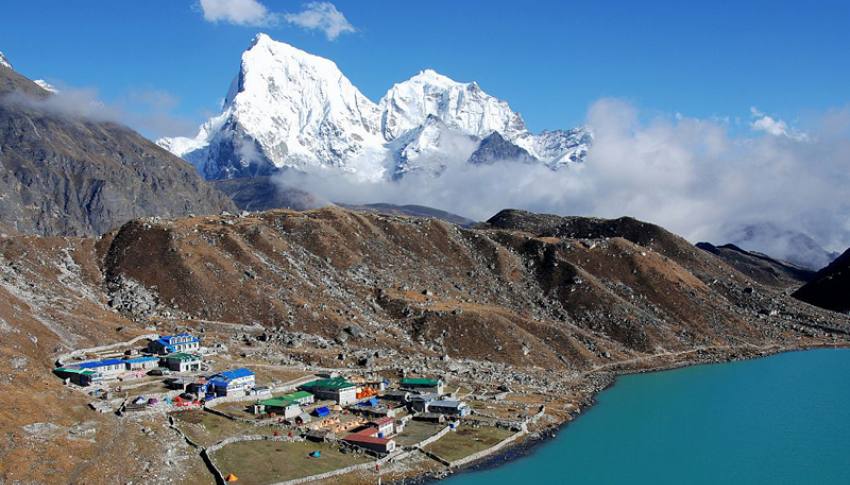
333 384
417 381
277 402
297 395
67 370
182 356
285 400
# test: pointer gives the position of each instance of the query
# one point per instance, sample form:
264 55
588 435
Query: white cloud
150 111
689 175
238 12
773 126
322 16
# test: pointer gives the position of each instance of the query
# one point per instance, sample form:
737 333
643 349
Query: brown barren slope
547 300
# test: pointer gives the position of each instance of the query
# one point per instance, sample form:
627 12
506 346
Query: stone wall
60 361
489 451
428 441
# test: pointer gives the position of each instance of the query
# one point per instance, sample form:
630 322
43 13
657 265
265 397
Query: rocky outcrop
494 148
830 287
64 174
412 210
760 267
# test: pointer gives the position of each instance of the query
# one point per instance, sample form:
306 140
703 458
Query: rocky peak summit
462 106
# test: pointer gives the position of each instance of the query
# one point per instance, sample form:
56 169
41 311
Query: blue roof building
231 382
103 367
168 344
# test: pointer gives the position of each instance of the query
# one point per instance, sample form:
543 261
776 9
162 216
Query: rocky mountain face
830 287
288 108
65 174
494 147
760 267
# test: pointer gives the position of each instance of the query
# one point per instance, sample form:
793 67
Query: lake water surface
783 419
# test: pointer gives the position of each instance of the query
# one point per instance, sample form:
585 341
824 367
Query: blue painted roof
234 374
138 360
165 340
100 363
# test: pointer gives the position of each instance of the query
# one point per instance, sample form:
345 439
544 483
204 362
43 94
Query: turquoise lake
783 419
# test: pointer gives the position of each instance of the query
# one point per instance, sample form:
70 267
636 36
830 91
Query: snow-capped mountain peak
4 62
290 108
462 106
286 107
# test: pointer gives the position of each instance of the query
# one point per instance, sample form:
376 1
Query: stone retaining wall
428 441
348 469
206 452
489 451
437 458
60 359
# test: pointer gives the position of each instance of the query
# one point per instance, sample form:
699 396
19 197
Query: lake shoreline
535 439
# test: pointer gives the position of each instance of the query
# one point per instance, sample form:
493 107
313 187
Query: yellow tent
231 478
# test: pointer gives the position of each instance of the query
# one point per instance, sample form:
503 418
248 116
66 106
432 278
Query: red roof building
369 439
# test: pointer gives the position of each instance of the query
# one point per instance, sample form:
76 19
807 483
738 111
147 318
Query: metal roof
137 360
182 356
100 363
74 371
277 402
367 435
447 404
231 374
332 384
418 381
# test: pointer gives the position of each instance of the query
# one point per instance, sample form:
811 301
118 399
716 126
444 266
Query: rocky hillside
520 296
760 267
522 289
830 287
411 210
65 174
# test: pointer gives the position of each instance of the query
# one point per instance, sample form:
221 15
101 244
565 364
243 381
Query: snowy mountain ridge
289 108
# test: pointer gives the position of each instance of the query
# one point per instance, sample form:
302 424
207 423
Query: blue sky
550 60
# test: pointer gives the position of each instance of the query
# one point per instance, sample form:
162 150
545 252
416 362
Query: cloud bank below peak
690 175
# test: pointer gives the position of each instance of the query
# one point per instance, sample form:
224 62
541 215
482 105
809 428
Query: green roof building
421 384
80 377
288 405
336 388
